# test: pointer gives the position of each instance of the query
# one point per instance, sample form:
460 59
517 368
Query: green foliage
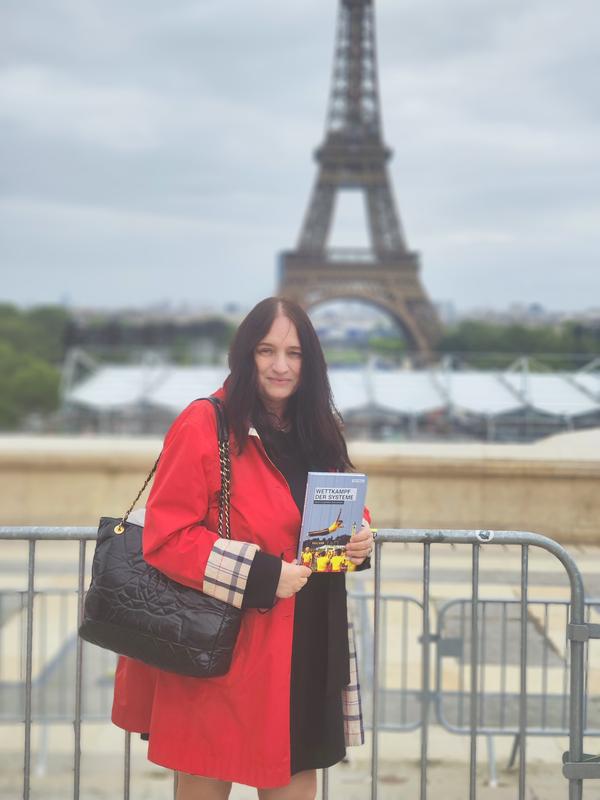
342 357
488 345
31 349
28 385
39 332
392 349
33 343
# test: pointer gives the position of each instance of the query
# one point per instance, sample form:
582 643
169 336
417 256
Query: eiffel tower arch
354 156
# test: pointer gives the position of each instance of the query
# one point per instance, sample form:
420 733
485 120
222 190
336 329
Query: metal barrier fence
498 680
578 632
463 634
54 649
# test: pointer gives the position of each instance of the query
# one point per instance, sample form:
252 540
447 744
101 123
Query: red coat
235 727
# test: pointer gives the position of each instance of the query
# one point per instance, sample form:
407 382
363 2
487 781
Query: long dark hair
316 421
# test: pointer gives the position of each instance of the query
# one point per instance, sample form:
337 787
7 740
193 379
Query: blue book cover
333 513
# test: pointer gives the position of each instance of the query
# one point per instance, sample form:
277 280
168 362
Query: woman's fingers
360 545
358 552
361 540
293 578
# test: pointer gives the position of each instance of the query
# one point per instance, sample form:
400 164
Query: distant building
531 315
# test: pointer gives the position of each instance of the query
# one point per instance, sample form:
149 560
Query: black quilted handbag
137 611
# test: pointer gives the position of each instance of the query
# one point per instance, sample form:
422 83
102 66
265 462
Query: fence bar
42 750
461 677
545 667
78 675
491 750
523 685
586 672
425 687
27 533
325 784
375 705
404 666
576 699
383 626
567 658
474 657
127 767
503 651
28 669
63 688
482 660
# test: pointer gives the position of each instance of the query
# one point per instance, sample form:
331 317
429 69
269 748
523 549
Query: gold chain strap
120 528
225 496
224 499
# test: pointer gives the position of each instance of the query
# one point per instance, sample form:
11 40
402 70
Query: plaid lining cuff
353 722
227 570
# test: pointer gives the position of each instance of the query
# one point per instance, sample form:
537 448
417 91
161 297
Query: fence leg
127 766
28 670
41 764
375 661
492 762
513 752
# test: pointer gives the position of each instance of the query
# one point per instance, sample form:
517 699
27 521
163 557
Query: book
333 513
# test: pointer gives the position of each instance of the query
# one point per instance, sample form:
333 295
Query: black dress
319 668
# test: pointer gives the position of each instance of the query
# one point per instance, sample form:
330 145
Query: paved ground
399 766
398 780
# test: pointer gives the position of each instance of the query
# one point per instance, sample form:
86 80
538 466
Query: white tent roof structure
551 393
482 393
406 392
410 393
350 389
588 381
189 383
118 387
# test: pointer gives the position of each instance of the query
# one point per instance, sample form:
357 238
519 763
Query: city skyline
148 150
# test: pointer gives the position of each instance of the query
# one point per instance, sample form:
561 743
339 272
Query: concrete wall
491 487
552 487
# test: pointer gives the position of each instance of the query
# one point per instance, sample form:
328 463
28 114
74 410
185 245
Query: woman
254 725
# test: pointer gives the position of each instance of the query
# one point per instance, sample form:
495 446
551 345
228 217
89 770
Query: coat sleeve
175 540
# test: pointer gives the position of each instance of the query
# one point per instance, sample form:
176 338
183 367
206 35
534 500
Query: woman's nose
280 363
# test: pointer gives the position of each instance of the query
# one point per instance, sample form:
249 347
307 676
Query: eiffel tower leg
319 217
386 235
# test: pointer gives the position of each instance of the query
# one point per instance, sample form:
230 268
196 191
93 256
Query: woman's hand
360 545
293 577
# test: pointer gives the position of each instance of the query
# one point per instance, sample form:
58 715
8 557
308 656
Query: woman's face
278 359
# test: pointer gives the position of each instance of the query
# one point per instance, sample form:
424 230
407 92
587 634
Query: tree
487 345
29 385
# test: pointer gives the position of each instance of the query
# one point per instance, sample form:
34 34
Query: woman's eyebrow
267 343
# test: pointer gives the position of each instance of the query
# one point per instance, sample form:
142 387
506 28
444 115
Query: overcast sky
160 151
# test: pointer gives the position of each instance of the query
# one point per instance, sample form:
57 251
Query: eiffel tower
354 156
